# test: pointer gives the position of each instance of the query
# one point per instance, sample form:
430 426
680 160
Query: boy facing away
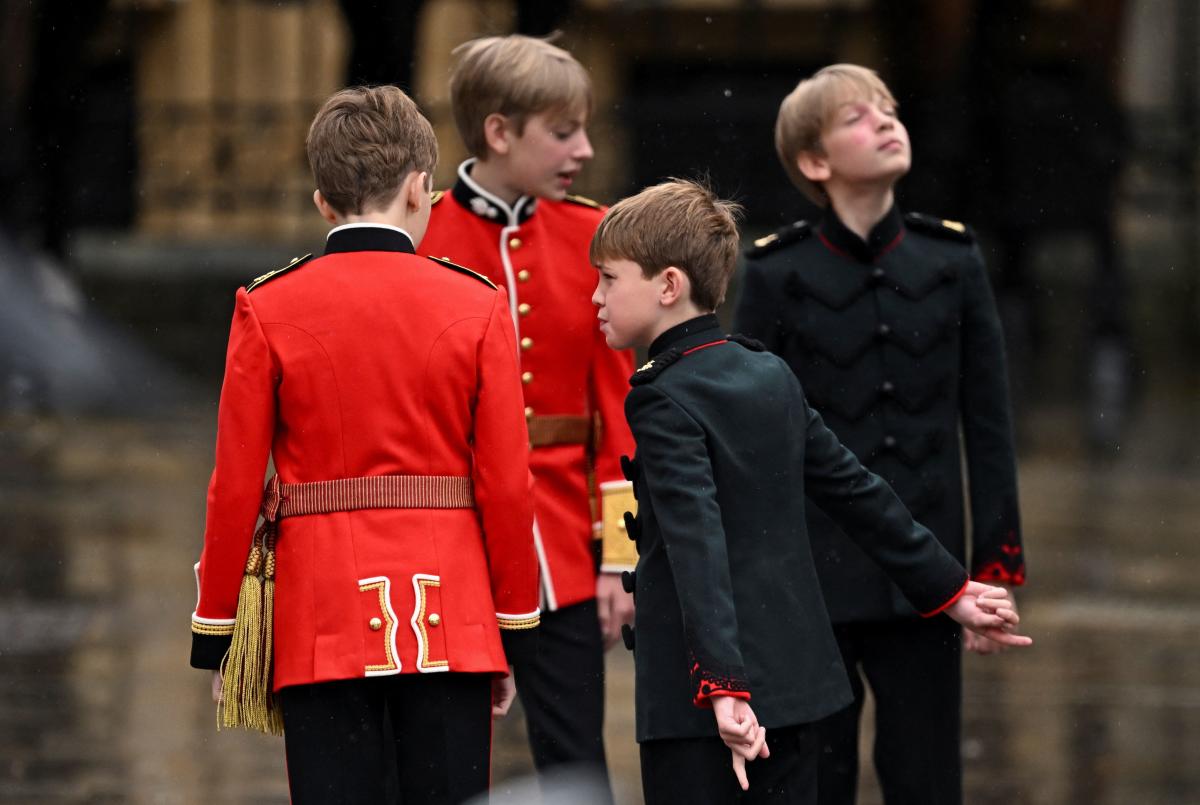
522 106
384 386
732 637
889 324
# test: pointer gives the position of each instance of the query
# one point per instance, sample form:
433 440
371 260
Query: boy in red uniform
522 106
384 386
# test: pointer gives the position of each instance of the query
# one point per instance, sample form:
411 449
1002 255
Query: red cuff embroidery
707 684
1008 569
949 603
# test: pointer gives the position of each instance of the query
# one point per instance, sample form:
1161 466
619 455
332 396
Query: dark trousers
562 693
914 668
410 738
698 771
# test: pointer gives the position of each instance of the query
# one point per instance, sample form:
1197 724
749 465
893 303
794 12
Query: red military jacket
538 250
367 361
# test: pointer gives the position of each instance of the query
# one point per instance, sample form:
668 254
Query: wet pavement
103 519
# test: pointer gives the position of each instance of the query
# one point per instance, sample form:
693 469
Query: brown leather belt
553 429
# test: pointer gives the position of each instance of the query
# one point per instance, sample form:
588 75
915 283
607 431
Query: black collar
489 207
368 238
882 238
690 333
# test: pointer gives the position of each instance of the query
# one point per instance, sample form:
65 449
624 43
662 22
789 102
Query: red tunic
538 251
373 361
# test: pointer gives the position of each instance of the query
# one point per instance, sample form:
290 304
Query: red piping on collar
705 346
895 242
831 247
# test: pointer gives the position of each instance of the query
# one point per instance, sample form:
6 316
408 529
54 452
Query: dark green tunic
727 595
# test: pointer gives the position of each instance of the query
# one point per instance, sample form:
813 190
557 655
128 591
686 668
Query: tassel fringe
247 700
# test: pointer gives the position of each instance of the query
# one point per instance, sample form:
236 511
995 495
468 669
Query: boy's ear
416 190
675 286
327 212
496 131
814 166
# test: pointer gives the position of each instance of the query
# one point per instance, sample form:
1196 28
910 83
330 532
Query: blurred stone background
151 157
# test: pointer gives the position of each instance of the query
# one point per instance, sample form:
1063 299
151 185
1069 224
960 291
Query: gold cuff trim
618 550
212 629
519 623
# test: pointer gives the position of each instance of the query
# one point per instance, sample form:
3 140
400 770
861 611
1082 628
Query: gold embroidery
518 623
419 622
385 610
214 629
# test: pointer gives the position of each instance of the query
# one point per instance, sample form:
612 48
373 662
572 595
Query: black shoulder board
436 196
792 233
583 201
463 270
654 367
270 275
939 227
749 343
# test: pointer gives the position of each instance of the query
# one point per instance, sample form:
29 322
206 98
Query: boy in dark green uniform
889 324
731 632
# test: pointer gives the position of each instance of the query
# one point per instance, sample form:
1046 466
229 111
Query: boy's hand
741 732
979 644
218 685
504 690
614 606
990 613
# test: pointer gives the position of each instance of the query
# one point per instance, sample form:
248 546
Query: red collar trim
705 346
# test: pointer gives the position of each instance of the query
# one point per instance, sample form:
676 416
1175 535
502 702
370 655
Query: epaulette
792 233
654 367
939 227
752 344
463 270
270 275
583 201
436 196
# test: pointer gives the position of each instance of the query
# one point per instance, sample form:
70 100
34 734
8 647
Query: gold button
434 619
526 343
527 377
524 308
523 275
621 525
514 243
376 624
528 414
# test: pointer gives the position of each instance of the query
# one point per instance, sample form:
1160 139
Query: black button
632 527
627 636
889 441
629 468
628 580
886 387
884 330
877 273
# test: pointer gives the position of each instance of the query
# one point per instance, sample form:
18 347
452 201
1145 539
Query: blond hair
809 109
515 76
362 144
677 223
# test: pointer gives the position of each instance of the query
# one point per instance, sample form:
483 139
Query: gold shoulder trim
270 275
436 196
445 261
584 201
957 226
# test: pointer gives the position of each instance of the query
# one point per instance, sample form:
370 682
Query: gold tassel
246 699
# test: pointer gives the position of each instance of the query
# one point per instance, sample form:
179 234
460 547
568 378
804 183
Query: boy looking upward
384 386
889 323
521 106
732 638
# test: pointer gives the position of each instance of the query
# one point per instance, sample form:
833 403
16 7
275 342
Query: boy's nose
597 299
583 149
